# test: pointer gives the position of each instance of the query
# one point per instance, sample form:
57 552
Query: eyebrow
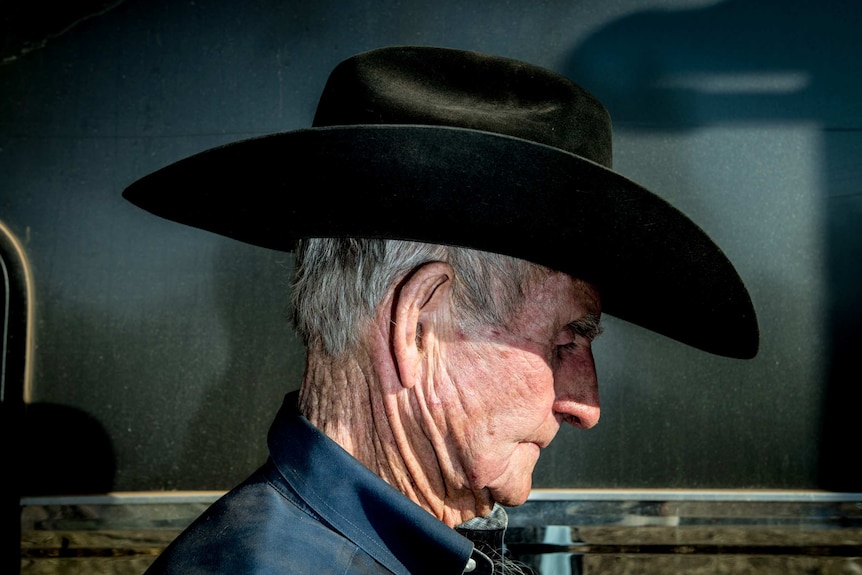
588 326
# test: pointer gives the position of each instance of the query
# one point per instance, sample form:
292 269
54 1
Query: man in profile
458 233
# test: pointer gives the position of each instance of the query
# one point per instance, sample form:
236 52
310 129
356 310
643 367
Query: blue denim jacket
314 509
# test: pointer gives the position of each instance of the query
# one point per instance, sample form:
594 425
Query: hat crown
453 88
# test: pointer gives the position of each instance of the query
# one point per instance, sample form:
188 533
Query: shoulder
262 527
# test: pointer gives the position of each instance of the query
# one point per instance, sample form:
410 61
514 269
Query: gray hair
340 282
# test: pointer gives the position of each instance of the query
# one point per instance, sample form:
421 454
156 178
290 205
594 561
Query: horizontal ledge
125 498
691 549
730 495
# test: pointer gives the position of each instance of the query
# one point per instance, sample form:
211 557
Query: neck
359 403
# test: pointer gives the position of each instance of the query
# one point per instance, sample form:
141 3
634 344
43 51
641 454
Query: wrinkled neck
359 403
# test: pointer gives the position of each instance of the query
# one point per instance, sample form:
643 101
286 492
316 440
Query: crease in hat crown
450 88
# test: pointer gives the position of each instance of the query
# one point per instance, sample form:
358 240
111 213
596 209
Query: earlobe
417 302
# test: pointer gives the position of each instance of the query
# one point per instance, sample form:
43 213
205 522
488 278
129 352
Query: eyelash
567 346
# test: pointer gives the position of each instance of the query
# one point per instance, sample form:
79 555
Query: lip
547 439
545 435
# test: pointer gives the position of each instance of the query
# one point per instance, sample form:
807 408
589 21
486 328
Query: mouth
540 444
546 440
545 435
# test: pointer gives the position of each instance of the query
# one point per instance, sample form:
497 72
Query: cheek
500 393
523 399
530 381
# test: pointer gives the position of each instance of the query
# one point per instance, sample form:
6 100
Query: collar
359 505
487 535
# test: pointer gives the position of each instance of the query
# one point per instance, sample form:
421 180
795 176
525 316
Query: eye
566 339
563 348
578 332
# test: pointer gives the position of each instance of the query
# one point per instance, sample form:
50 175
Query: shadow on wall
731 62
65 451
264 361
736 62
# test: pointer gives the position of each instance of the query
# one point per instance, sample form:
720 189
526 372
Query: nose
577 391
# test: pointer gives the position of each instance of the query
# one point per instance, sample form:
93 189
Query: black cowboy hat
451 147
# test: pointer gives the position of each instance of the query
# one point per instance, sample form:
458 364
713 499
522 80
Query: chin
513 487
513 500
513 495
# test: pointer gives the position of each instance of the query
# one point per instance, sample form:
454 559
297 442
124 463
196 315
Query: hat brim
652 265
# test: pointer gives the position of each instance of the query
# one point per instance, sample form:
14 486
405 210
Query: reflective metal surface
564 533
555 533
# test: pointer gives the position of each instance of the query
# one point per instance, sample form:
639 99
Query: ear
419 304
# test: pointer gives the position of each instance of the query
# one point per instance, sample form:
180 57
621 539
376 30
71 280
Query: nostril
582 413
585 418
573 420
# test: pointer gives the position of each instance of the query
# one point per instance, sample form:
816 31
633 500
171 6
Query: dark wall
162 352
